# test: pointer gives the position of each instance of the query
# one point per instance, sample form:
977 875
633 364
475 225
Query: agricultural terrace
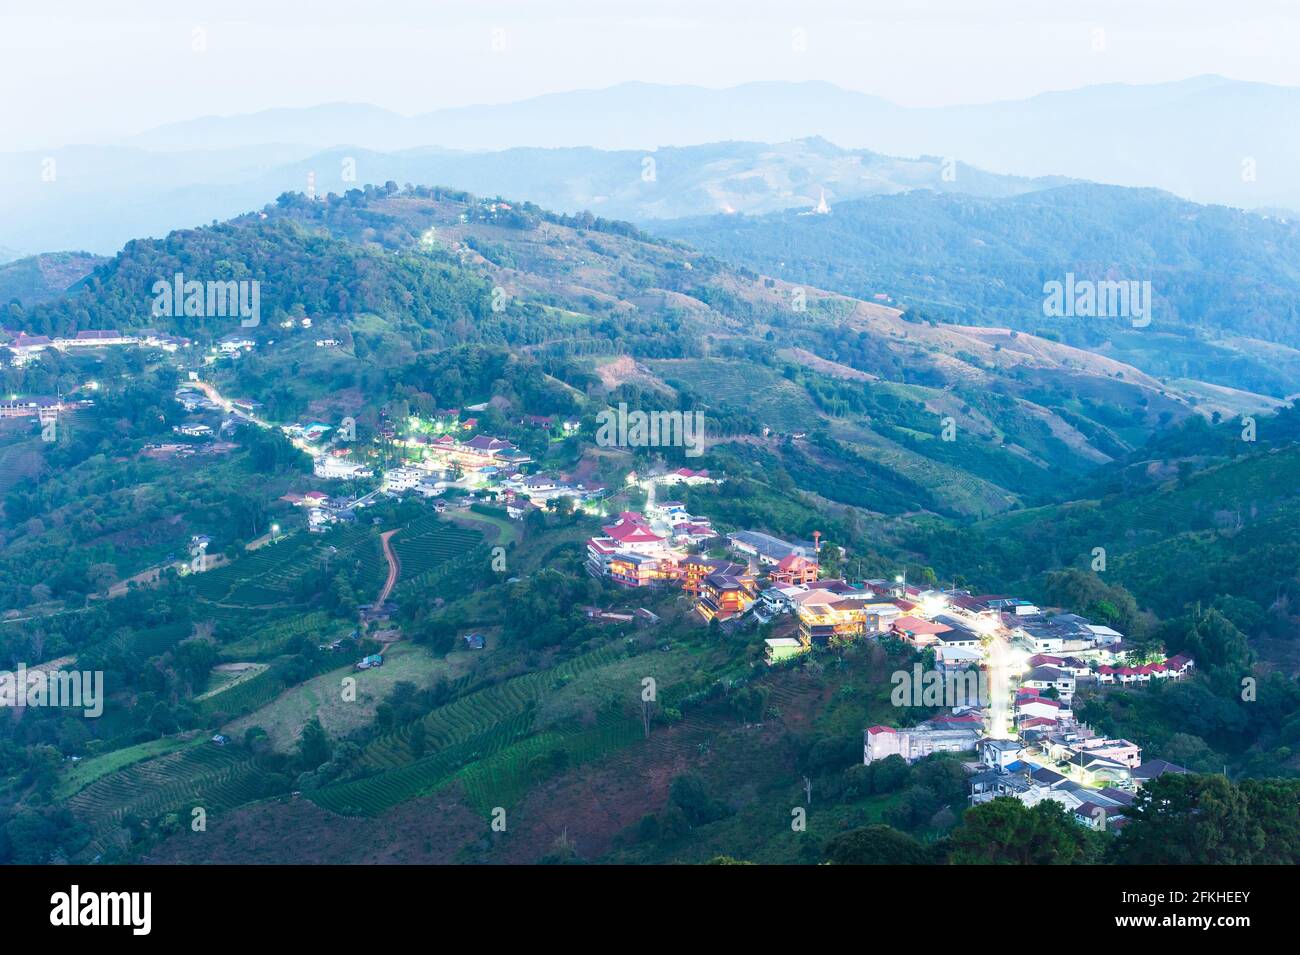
493 740
269 576
215 778
428 543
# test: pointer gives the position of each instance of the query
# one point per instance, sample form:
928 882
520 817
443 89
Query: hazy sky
71 71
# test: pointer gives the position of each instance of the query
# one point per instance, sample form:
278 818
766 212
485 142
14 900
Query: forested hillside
1225 282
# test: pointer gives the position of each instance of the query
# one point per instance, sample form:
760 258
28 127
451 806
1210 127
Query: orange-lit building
726 595
834 619
631 553
694 569
640 570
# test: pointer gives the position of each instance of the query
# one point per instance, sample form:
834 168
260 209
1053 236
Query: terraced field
270 641
153 642
439 581
428 543
963 492
495 527
209 776
241 619
269 576
361 544
87 771
260 577
226 676
466 730
503 778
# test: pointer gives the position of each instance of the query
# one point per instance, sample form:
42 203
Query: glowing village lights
1017 660
932 605
999 690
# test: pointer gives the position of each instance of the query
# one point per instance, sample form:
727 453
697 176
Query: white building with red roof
631 543
1031 706
686 476
633 533
26 347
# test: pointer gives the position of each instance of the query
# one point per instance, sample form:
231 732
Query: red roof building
794 569
1043 659
918 632
1037 722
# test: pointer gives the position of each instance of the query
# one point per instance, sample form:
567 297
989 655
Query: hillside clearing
285 716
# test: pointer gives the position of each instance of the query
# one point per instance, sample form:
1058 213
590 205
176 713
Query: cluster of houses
524 493
204 425
1094 777
25 347
324 510
519 492
1031 747
431 478
440 456
761 578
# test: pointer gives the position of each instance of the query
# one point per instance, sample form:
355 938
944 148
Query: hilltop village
997 675
1003 671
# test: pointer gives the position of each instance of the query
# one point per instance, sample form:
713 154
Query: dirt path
394 567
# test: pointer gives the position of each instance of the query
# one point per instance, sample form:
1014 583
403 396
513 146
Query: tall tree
1005 831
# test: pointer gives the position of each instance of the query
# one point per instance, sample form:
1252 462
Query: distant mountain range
152 193
1208 139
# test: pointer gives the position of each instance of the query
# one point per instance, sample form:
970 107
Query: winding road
230 406
394 567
